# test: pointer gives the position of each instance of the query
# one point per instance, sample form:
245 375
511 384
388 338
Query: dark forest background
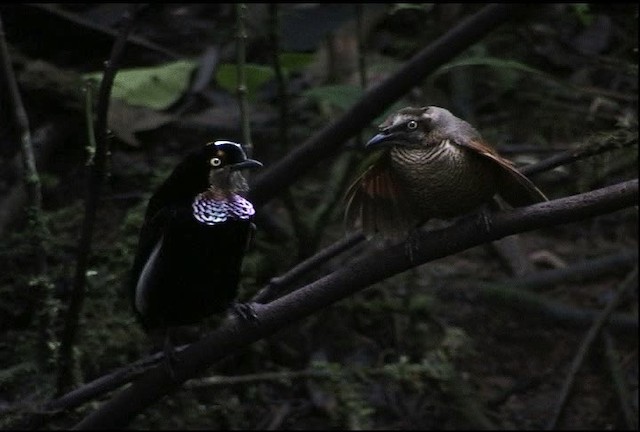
539 330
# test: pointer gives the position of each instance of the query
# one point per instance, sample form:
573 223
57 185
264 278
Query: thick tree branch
577 272
551 311
233 335
377 99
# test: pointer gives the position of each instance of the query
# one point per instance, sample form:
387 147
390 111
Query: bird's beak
246 164
382 139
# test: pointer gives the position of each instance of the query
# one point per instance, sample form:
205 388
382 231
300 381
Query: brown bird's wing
514 187
375 199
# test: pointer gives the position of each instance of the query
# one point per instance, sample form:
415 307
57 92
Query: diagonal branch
377 99
372 267
612 142
631 281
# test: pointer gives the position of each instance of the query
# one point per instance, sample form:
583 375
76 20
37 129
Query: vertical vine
362 64
283 108
300 229
66 358
241 16
360 38
40 285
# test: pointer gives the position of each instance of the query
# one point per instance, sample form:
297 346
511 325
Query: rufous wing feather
515 188
375 201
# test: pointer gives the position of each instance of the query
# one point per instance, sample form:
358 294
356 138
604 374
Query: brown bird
434 165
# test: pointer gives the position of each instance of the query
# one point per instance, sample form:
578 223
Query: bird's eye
215 161
412 125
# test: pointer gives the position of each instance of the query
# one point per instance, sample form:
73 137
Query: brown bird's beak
246 164
380 140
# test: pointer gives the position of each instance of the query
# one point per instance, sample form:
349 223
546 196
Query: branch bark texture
372 267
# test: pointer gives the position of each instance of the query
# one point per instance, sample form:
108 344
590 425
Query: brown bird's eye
215 161
412 125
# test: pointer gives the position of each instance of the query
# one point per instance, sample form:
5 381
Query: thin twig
597 145
92 25
94 191
88 110
46 138
455 386
362 64
618 382
37 228
300 229
214 381
31 177
104 383
360 39
503 295
577 272
289 201
333 194
283 103
241 47
278 284
629 282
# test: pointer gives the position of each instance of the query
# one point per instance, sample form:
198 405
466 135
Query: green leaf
255 76
341 96
294 62
583 12
154 87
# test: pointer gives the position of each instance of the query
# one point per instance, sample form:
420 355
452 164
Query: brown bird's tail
514 187
518 190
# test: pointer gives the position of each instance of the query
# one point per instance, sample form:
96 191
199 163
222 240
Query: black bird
196 230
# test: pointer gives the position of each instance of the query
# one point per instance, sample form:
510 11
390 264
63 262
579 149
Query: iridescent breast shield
214 211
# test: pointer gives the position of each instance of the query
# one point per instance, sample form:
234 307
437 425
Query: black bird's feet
246 312
412 244
480 218
484 220
170 357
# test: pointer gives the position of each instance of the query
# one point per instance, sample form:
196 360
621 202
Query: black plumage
195 233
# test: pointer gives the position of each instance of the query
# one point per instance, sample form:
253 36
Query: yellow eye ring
215 162
412 125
